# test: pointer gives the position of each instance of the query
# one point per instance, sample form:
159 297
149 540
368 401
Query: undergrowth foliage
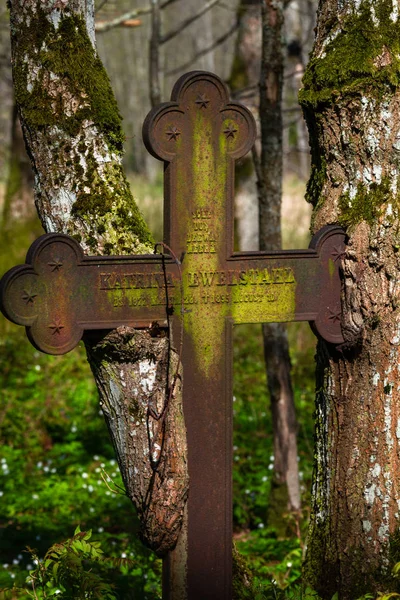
58 474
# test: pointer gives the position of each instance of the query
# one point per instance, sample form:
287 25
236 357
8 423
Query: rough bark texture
351 101
73 134
135 372
269 183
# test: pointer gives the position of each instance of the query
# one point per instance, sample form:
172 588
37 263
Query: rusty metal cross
60 293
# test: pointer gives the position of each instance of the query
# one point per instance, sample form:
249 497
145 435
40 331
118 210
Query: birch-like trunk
74 138
351 100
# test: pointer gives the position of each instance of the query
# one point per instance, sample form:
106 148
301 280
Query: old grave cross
60 293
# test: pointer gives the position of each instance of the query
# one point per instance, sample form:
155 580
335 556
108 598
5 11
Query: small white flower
3 460
100 529
46 469
91 509
95 457
123 555
4 466
37 367
74 429
35 496
53 470
247 492
5 566
15 561
260 526
85 475
270 467
1 493
264 478
90 488
39 464
29 567
57 591
112 462
12 575
289 564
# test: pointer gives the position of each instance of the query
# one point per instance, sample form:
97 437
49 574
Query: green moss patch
67 53
363 54
367 205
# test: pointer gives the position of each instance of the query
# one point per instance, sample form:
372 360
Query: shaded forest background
57 468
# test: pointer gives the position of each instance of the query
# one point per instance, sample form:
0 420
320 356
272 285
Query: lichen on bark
351 100
72 121
137 377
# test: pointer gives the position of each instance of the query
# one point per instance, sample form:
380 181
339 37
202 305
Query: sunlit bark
351 101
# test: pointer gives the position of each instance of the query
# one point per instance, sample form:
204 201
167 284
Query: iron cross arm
60 293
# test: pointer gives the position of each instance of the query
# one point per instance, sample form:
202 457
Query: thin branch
104 476
103 26
204 51
118 21
169 36
103 3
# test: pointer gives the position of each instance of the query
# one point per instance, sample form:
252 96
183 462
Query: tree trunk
18 201
73 134
285 493
351 101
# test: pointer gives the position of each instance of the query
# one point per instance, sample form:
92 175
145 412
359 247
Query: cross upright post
59 294
199 135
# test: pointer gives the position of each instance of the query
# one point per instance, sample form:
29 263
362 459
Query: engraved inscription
127 281
236 287
202 239
232 278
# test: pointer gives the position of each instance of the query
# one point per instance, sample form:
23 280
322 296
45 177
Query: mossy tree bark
73 134
351 100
